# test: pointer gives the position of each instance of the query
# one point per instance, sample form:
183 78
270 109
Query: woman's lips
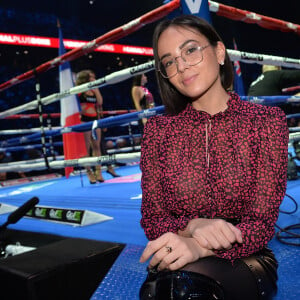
188 80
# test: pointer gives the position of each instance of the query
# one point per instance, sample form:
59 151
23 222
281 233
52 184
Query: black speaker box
59 267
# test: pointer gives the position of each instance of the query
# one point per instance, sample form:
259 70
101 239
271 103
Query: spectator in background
110 144
271 83
91 106
272 80
121 143
141 96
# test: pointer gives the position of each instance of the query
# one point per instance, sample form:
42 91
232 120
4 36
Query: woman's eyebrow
180 47
186 42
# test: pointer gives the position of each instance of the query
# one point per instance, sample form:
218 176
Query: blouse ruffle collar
233 105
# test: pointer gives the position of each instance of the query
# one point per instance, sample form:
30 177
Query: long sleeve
232 165
261 210
156 217
289 78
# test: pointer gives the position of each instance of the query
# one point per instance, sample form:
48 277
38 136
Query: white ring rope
295 136
25 131
80 162
264 59
112 78
220 9
127 73
110 36
29 161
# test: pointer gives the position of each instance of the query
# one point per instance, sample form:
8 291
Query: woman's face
143 79
192 81
92 76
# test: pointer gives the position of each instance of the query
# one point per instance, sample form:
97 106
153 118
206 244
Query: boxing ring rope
80 162
24 131
220 9
291 89
272 100
52 115
263 59
253 18
27 147
120 76
124 74
118 120
102 123
36 116
152 16
109 122
295 136
266 100
109 37
57 115
112 78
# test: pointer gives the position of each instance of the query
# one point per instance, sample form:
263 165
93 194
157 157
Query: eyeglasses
191 55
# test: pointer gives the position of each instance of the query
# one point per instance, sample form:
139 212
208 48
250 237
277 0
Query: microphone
20 212
14 217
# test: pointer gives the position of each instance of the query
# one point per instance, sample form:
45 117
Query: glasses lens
192 54
168 67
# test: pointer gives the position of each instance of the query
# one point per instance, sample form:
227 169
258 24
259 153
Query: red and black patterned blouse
231 165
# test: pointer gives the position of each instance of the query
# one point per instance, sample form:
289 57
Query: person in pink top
214 172
141 96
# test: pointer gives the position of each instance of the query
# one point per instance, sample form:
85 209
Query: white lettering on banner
106 47
25 40
40 41
193 5
73 44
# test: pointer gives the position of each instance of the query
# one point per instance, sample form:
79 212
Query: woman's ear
220 52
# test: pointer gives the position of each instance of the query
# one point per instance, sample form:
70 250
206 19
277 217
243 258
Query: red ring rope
108 37
220 9
57 115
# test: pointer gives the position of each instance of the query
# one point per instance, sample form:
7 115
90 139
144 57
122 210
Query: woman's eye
190 50
168 63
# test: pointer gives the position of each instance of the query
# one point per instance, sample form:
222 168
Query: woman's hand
98 96
171 251
213 233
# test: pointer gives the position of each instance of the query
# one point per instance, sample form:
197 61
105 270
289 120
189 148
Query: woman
91 105
141 96
213 175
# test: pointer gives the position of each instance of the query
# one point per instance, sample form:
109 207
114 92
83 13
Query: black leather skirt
251 278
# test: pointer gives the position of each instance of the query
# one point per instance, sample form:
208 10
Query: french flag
73 143
199 8
238 84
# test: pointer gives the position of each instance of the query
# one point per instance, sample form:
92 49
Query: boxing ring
112 209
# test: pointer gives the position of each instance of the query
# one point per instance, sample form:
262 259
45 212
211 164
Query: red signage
38 41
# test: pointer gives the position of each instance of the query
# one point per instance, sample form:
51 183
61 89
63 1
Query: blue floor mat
120 198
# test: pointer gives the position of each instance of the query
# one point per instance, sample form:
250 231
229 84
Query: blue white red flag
196 7
199 8
238 84
73 143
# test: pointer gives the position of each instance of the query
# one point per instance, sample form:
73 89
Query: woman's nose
181 64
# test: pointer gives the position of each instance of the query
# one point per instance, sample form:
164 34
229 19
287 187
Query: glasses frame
200 48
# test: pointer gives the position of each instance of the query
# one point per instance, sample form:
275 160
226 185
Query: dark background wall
88 19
